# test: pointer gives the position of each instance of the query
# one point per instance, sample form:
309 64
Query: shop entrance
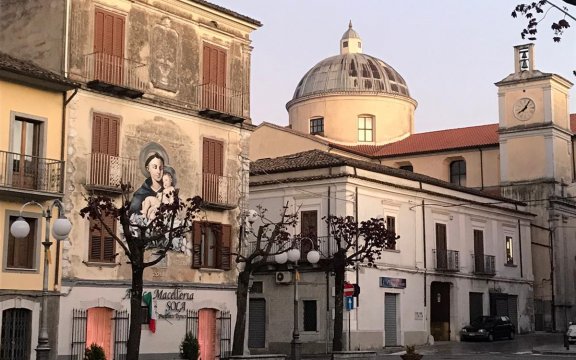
440 311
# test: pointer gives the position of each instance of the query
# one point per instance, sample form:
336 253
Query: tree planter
411 356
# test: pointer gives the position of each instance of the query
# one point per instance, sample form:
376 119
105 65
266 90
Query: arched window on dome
365 128
317 126
458 172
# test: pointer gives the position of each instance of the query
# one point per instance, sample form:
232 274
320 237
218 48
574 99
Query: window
509 251
458 172
145 314
102 244
391 226
309 229
310 315
212 169
345 44
211 245
317 126
26 150
108 46
365 129
105 146
478 251
257 287
214 78
408 167
22 251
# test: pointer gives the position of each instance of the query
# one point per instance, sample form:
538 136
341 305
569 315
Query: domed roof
351 71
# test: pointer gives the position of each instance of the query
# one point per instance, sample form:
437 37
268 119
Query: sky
450 52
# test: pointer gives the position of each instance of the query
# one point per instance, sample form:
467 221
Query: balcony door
479 251
25 153
105 168
214 78
213 171
108 56
441 247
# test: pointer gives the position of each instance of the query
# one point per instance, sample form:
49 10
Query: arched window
458 172
317 126
365 128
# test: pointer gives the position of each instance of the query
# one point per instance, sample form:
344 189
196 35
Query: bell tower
535 134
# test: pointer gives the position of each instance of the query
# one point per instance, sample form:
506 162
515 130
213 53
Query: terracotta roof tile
27 69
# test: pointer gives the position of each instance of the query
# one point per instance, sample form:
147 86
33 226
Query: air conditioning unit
283 277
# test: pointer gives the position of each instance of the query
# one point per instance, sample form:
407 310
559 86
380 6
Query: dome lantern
350 42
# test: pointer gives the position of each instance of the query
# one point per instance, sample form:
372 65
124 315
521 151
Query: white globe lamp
20 228
281 258
293 255
313 257
61 228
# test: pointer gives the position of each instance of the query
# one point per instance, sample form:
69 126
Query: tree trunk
339 271
133 350
241 305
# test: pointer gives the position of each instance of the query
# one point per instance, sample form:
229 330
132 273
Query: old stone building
163 103
356 105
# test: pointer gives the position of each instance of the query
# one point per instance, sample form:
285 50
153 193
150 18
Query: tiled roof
229 12
461 138
27 69
318 159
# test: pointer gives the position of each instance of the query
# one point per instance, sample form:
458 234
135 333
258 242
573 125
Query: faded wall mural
164 47
158 188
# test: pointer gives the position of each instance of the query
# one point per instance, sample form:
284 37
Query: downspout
65 102
424 244
66 35
520 247
357 236
328 279
481 169
553 305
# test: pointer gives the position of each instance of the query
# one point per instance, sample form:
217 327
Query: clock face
524 109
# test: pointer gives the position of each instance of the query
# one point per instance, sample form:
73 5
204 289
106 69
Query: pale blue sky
450 52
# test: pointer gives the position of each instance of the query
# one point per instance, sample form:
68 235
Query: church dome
351 72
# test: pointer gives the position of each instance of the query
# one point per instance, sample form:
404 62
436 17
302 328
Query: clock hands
524 108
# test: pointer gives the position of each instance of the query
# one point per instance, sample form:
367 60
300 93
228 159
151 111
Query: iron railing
114 70
220 190
107 171
34 173
446 260
325 245
221 99
484 264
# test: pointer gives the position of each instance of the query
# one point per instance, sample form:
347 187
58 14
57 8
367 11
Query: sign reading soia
175 305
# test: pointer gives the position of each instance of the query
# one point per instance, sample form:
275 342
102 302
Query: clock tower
535 135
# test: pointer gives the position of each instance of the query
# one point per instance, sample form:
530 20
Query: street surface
519 348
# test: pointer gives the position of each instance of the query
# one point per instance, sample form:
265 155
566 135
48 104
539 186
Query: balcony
484 264
446 260
220 192
115 75
326 245
220 103
107 172
30 176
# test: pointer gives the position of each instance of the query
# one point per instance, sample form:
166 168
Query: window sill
511 265
20 270
211 270
100 264
391 250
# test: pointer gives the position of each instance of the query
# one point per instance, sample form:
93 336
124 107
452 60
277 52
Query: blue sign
349 303
393 283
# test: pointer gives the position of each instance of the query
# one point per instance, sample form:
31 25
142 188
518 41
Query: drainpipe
328 281
481 169
520 248
66 35
424 245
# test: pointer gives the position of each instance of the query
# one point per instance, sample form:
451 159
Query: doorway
99 329
390 319
257 324
207 333
16 332
440 311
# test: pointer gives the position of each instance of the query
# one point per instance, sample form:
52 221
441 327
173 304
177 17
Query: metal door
476 305
257 324
390 320
16 331
513 310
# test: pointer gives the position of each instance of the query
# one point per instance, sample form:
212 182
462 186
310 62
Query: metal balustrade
325 245
114 74
107 171
446 260
220 100
484 264
25 172
220 190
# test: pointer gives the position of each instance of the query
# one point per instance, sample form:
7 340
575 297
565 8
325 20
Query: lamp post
60 230
293 255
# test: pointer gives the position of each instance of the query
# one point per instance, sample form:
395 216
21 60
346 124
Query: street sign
349 303
348 289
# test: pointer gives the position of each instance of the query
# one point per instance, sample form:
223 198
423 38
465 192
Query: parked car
571 332
488 328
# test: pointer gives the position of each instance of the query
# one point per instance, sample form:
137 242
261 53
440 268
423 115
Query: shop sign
393 283
172 304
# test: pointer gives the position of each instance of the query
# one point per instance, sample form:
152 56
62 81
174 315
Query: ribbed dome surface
356 72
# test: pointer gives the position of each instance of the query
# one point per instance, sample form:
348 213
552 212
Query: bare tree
356 244
537 11
270 239
172 220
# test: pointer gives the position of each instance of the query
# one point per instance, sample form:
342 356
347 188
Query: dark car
488 328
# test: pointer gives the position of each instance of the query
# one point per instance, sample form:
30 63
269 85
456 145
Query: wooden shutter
441 237
109 31
224 247
21 251
102 244
105 134
196 245
213 157
214 65
309 223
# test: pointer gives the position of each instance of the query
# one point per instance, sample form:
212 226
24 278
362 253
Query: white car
571 332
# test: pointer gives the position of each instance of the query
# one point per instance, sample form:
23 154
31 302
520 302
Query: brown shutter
213 157
94 252
113 134
441 237
105 134
102 244
196 245
96 130
98 30
214 65
224 254
206 64
21 251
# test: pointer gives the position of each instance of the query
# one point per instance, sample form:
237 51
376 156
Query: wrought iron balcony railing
325 245
33 173
220 191
109 172
446 260
114 74
484 264
220 102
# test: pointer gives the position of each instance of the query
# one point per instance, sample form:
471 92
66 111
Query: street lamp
60 231
293 255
